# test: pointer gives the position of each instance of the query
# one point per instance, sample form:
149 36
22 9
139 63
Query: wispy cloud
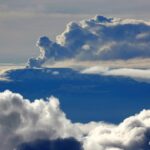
67 6
136 74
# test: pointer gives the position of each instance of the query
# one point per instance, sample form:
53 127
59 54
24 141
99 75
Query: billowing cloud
23 121
99 38
49 51
133 133
31 124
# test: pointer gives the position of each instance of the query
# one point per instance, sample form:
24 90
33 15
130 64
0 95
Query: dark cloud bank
99 38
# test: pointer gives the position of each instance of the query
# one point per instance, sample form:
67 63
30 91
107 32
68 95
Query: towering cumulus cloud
22 121
26 125
49 51
99 38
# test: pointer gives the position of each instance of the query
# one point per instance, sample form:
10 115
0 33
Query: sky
22 22
82 85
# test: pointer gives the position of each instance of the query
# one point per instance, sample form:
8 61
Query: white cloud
131 134
23 121
70 6
99 38
137 74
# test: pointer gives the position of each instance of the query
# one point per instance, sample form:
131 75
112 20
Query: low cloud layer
99 38
30 124
136 74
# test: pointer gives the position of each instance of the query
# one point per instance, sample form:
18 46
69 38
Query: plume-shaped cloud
99 38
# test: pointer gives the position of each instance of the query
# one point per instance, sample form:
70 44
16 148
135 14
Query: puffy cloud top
25 124
22 121
99 38
49 51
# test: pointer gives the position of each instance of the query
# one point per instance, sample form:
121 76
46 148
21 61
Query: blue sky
22 22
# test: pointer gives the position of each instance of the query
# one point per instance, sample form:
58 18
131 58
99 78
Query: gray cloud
25 28
34 14
48 48
58 144
99 38
69 6
22 121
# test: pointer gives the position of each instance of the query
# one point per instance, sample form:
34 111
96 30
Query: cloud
133 133
22 121
99 38
136 74
59 144
125 7
31 124
49 50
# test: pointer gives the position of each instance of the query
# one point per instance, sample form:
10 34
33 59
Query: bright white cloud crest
99 38
24 121
136 74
